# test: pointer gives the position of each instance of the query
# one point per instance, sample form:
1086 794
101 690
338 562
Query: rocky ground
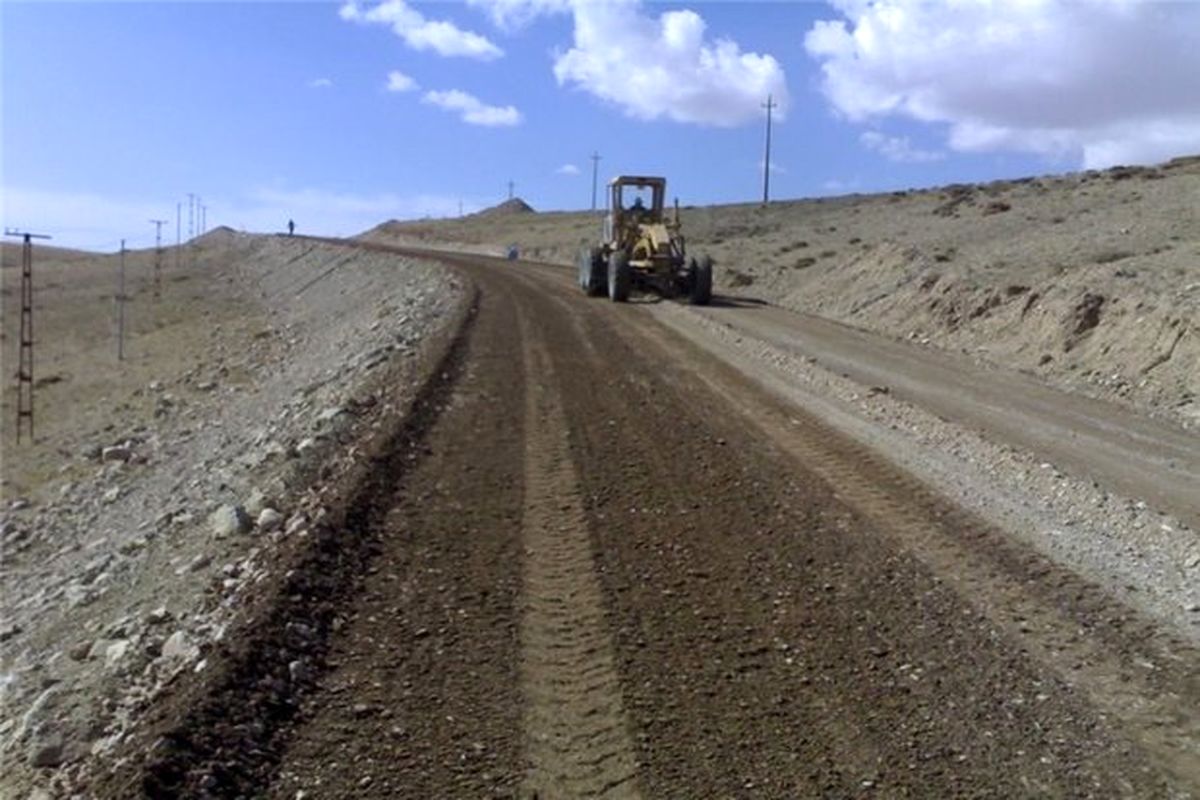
613 560
1089 280
234 561
152 507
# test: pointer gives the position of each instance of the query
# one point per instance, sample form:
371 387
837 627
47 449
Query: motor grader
642 248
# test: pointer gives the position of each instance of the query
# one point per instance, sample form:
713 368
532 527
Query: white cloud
442 37
87 220
838 186
1103 81
320 83
567 169
399 82
332 213
898 148
92 221
776 167
654 67
512 14
472 110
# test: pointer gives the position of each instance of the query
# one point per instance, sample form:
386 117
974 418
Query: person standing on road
291 227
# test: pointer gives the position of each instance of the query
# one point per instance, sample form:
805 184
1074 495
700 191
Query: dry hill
1091 280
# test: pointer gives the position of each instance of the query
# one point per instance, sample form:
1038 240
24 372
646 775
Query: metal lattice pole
25 357
158 256
121 306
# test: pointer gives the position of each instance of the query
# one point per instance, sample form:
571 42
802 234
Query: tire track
577 739
1147 680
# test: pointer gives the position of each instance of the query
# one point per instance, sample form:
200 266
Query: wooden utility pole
595 172
770 104
25 359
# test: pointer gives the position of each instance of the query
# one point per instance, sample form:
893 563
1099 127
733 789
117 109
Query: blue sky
113 112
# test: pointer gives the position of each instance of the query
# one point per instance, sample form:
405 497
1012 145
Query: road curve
618 568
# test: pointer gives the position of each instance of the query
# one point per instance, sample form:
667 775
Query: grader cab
643 248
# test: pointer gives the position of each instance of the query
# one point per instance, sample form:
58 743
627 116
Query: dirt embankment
1090 280
162 488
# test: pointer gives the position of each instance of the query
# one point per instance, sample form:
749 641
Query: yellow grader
643 248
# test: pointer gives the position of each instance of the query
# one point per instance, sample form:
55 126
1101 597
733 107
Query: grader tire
700 292
618 277
591 272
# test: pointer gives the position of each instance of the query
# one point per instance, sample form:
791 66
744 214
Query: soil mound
508 208
220 235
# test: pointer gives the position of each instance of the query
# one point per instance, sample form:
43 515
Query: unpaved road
613 566
1137 456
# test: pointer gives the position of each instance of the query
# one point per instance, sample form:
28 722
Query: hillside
1090 280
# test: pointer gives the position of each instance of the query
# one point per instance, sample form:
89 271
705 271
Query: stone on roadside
298 671
115 652
269 520
256 501
180 645
330 414
46 750
198 563
118 452
228 520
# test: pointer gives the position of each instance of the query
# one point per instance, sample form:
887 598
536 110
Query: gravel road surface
607 563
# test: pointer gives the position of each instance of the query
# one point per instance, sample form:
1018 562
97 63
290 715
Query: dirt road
610 565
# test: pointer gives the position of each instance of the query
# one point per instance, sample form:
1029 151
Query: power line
770 104
25 361
595 171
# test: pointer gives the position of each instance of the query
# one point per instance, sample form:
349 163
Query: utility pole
193 222
25 360
460 208
178 233
510 190
770 104
121 306
158 253
203 219
595 172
